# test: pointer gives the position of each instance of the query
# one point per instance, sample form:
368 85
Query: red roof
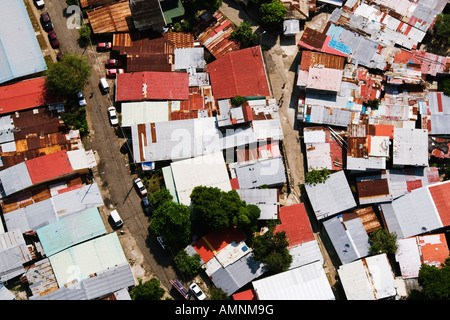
23 95
441 193
434 252
213 242
149 85
50 166
239 72
245 295
295 222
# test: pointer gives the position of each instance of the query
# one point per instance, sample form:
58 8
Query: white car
39 3
140 186
112 114
81 100
198 293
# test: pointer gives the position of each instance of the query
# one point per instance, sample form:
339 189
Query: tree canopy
215 209
67 77
157 198
172 222
435 282
271 249
272 14
244 34
381 241
316 176
442 27
186 264
150 290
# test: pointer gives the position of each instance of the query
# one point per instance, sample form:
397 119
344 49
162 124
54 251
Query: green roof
172 9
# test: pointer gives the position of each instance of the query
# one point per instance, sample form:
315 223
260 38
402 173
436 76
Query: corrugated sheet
144 112
147 13
14 179
307 282
265 199
337 192
268 172
71 230
100 285
186 58
410 147
115 17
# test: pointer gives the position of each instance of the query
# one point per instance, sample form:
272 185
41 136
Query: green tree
244 34
186 264
76 120
150 290
442 27
237 101
381 241
215 209
272 14
316 176
435 282
84 32
271 249
172 222
200 5
444 86
67 77
158 197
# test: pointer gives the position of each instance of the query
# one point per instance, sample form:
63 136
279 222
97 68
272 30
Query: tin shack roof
114 17
241 73
149 85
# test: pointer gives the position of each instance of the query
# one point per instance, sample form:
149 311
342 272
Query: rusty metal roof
115 17
87 3
311 59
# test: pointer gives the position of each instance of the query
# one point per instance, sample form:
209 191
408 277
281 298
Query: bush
316 176
244 34
272 14
186 264
381 241
150 290
237 101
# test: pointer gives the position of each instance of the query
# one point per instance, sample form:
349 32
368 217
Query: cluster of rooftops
179 113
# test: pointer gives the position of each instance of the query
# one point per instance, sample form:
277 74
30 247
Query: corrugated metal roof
14 179
144 112
77 200
149 85
268 172
337 192
267 200
99 285
208 170
18 58
70 231
186 58
241 73
81 261
48 167
114 17
13 254
349 238
147 13
307 282
410 147
440 193
295 222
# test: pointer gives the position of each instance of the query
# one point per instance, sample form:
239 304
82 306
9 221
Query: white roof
336 191
265 199
186 58
410 147
308 282
208 170
144 112
408 257
370 278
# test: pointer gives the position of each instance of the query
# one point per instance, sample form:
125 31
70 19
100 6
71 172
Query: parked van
104 86
116 218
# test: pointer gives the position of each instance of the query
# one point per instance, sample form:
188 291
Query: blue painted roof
20 53
71 230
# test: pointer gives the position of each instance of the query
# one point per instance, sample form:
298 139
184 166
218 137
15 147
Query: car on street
198 293
81 99
161 242
103 46
113 63
145 205
112 114
39 3
53 39
47 23
113 72
140 186
59 56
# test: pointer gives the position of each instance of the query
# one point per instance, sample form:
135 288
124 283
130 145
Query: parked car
47 23
53 39
39 3
112 114
145 205
59 56
81 99
161 242
113 63
198 293
103 46
113 72
140 186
